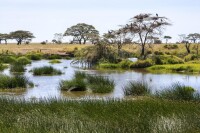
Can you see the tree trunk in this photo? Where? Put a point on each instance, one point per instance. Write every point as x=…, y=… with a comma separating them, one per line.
x=5, y=41
x=80, y=42
x=84, y=41
x=143, y=50
x=19, y=42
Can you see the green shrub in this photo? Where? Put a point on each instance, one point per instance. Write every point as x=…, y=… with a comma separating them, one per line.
x=136, y=88
x=142, y=64
x=23, y=60
x=17, y=81
x=170, y=46
x=125, y=64
x=177, y=92
x=190, y=57
x=167, y=59
x=158, y=53
x=46, y=70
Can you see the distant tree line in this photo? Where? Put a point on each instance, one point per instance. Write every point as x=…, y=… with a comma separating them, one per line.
x=19, y=35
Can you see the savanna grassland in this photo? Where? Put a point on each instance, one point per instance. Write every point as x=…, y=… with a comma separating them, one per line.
x=113, y=116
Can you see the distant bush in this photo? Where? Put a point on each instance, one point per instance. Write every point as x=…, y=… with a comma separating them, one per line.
x=170, y=46
x=125, y=63
x=43, y=42
x=158, y=53
x=142, y=64
x=167, y=59
x=190, y=57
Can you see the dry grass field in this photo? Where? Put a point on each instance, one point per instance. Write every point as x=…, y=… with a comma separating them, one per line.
x=63, y=48
x=48, y=48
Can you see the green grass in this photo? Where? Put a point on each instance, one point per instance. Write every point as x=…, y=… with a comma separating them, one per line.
x=46, y=70
x=34, y=56
x=191, y=68
x=23, y=60
x=82, y=82
x=17, y=68
x=138, y=116
x=136, y=88
x=177, y=91
x=100, y=84
x=7, y=59
x=55, y=61
x=3, y=66
x=7, y=82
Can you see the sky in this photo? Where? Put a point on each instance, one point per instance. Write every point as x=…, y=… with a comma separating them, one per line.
x=44, y=18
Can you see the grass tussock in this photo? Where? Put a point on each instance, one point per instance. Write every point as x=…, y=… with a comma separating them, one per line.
x=46, y=70
x=177, y=91
x=100, y=84
x=23, y=60
x=17, y=68
x=137, y=88
x=7, y=82
x=83, y=82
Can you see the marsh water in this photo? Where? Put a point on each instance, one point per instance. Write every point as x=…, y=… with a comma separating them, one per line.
x=47, y=86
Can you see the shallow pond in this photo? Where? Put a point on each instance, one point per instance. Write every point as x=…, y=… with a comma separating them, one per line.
x=46, y=86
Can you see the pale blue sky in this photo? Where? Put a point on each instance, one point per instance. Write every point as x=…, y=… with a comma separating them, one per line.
x=46, y=17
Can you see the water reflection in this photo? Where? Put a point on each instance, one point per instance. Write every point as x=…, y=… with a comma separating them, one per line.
x=46, y=86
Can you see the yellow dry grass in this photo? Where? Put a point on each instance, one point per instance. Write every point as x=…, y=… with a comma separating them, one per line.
x=48, y=48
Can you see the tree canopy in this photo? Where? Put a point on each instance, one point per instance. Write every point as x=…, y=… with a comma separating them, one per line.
x=144, y=25
x=21, y=36
x=82, y=32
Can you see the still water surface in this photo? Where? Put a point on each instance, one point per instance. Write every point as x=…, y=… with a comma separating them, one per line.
x=46, y=86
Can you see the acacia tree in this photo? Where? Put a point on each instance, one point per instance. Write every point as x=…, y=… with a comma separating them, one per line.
x=184, y=39
x=167, y=38
x=81, y=32
x=194, y=37
x=4, y=37
x=144, y=25
x=21, y=36
x=58, y=37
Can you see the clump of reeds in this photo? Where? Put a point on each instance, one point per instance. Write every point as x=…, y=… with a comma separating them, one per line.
x=137, y=88
x=177, y=91
x=46, y=70
x=82, y=82
x=18, y=81
x=100, y=84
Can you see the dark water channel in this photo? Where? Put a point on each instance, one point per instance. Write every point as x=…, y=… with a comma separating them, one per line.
x=47, y=86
